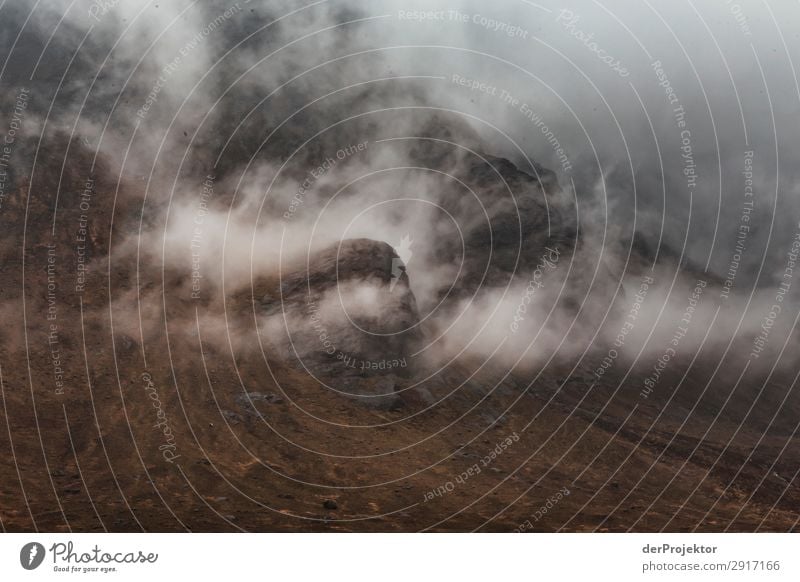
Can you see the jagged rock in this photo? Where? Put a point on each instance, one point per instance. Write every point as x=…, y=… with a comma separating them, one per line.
x=359, y=346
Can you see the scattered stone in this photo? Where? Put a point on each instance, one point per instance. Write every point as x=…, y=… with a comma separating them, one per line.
x=232, y=417
x=126, y=343
x=247, y=400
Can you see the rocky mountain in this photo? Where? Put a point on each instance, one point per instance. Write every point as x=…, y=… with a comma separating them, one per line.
x=334, y=395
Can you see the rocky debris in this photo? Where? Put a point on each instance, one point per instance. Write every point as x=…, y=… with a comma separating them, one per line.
x=248, y=402
x=232, y=417
x=247, y=399
x=125, y=343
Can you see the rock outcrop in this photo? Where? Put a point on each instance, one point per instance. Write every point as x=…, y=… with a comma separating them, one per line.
x=349, y=318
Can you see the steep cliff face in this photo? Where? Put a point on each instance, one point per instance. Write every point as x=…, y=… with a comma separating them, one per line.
x=348, y=318
x=505, y=216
